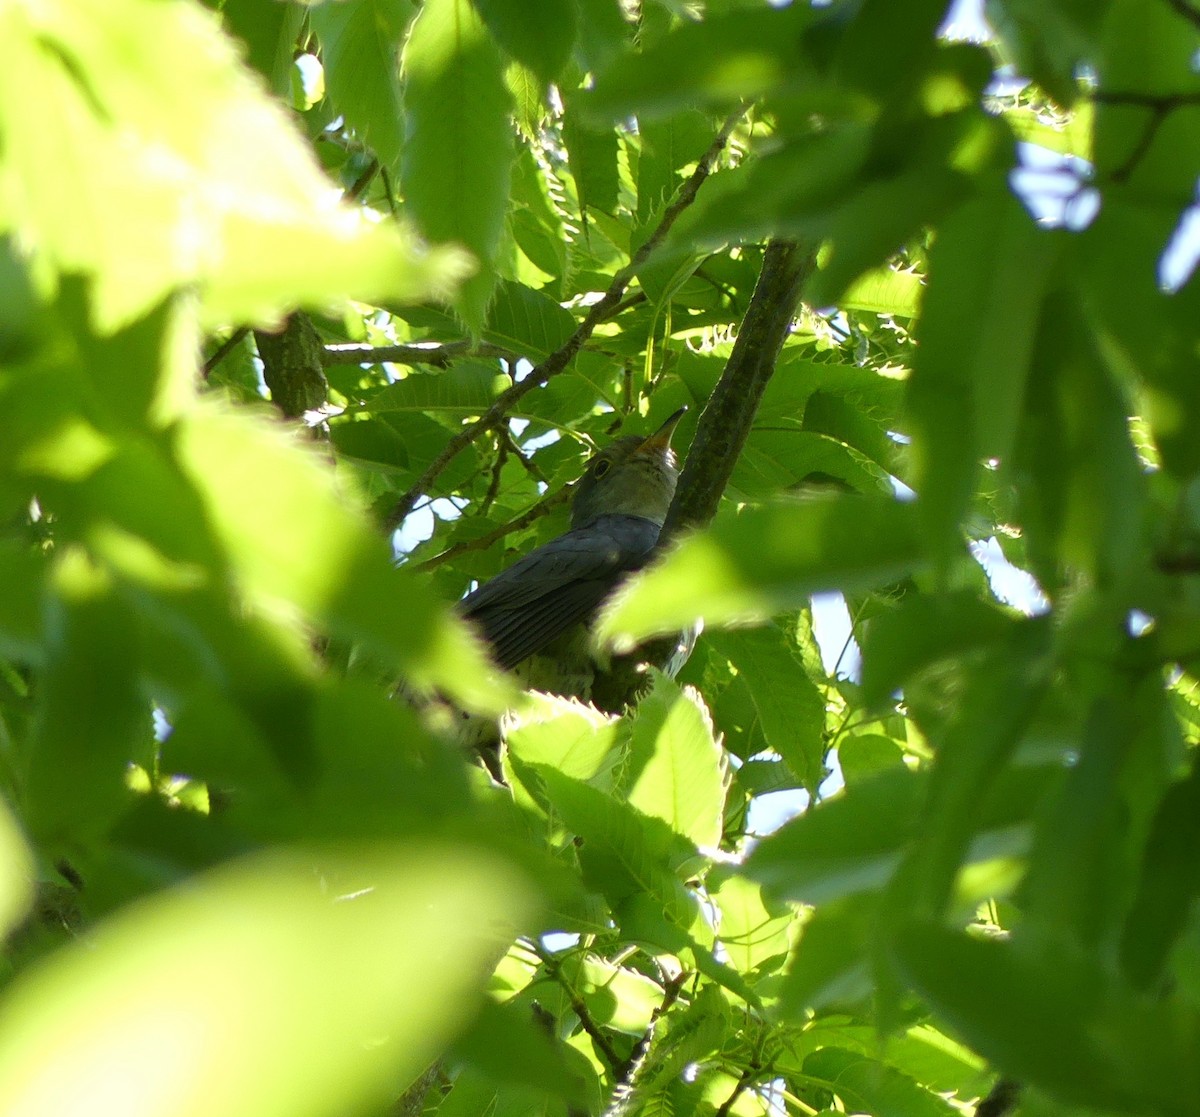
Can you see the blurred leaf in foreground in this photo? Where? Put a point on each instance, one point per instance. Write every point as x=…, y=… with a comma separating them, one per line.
x=289, y=985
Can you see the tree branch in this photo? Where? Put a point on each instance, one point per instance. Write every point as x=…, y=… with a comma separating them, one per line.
x=729, y=413
x=437, y=355
x=483, y=542
x=561, y=357
x=554, y=970
x=292, y=366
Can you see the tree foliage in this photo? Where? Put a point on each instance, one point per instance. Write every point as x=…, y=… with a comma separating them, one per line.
x=278, y=279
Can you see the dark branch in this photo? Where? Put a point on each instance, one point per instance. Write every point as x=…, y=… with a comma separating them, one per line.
x=1185, y=9
x=1001, y=1099
x=729, y=414
x=224, y=349
x=602, y=1042
x=1159, y=105
x=560, y=358
x=292, y=366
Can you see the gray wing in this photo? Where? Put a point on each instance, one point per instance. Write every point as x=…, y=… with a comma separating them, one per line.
x=556, y=586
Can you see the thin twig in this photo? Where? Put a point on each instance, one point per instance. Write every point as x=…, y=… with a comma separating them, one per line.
x=363, y=181
x=531, y=466
x=627, y=1081
x=1159, y=105
x=485, y=541
x=224, y=349
x=554, y=969
x=561, y=357
x=493, y=489
x=437, y=355
x=744, y=1079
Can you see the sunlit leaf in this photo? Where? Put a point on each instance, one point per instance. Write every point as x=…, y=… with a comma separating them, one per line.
x=458, y=144
x=178, y=194
x=763, y=560
x=299, y=982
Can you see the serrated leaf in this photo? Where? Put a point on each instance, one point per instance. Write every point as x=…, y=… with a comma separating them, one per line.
x=752, y=929
x=458, y=141
x=468, y=387
x=360, y=51
x=675, y=763
x=537, y=33
x=527, y=321
x=592, y=154
x=562, y=733
x=176, y=196
x=791, y=710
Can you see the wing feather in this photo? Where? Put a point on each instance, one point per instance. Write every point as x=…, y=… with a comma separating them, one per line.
x=557, y=585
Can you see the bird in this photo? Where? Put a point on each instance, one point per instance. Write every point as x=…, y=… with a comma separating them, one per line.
x=534, y=615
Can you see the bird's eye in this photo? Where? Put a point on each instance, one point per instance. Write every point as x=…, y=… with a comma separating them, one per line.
x=602, y=467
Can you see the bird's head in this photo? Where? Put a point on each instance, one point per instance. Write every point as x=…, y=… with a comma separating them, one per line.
x=633, y=476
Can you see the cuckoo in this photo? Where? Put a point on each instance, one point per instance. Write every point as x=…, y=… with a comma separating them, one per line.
x=535, y=614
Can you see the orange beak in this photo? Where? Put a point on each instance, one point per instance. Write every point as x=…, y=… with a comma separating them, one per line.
x=661, y=438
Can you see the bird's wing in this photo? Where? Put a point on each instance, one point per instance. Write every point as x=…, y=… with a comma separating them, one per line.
x=557, y=585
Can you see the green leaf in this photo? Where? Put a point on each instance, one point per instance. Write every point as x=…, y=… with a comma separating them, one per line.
x=1168, y=884
x=292, y=540
x=923, y=630
x=269, y=32
x=360, y=51
x=17, y=871
x=624, y=853
x=716, y=61
x=23, y=576
x=528, y=321
x=830, y=965
x=592, y=154
x=845, y=845
x=764, y=560
x=507, y=1042
x=674, y=770
x=164, y=143
x=866, y=1085
x=458, y=143
x=974, y=747
x=987, y=276
x=1055, y=1020
x=1078, y=873
x=537, y=33
x=791, y=710
x=753, y=930
x=561, y=733
x=467, y=387
x=308, y=982
x=93, y=720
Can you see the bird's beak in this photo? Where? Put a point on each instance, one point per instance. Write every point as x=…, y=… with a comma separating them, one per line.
x=661, y=438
